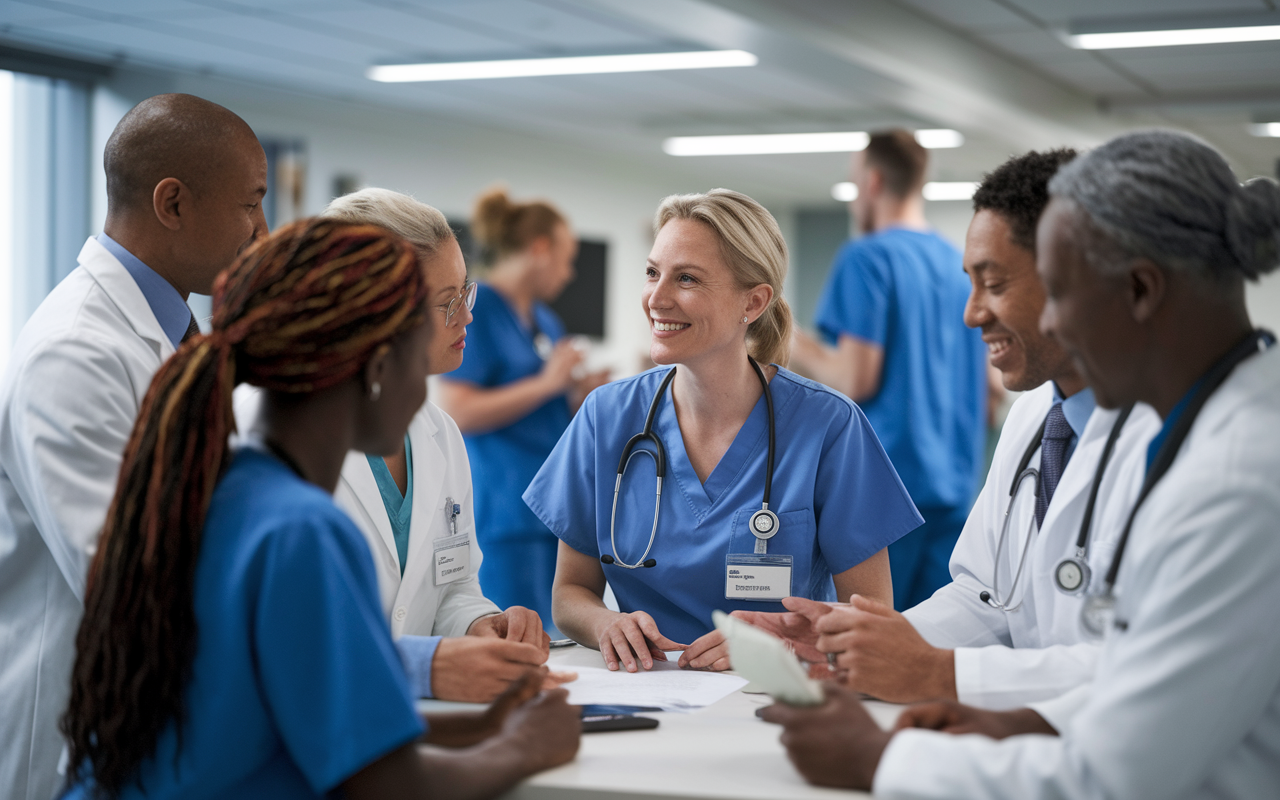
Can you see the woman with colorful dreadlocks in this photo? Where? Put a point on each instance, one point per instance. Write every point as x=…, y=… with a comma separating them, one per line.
x=230, y=605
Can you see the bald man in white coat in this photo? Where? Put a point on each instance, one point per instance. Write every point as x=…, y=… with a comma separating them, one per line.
x=76, y=379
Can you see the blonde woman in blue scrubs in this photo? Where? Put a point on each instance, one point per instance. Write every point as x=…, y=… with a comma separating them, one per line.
x=713, y=298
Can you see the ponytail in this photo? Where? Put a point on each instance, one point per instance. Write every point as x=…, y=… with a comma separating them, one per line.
x=300, y=311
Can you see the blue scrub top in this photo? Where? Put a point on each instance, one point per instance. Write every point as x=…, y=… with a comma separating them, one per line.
x=296, y=685
x=500, y=350
x=836, y=495
x=905, y=291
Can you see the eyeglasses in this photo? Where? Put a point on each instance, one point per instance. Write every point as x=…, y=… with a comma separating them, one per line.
x=465, y=297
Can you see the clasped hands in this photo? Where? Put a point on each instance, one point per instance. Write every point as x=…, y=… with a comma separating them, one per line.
x=497, y=650
x=876, y=651
x=632, y=641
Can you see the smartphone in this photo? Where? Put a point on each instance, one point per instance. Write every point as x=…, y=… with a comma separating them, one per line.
x=617, y=722
x=562, y=643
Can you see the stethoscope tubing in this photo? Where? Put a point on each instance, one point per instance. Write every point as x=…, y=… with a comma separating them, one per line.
x=659, y=456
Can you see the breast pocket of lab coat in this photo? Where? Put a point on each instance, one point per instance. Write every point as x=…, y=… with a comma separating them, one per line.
x=797, y=537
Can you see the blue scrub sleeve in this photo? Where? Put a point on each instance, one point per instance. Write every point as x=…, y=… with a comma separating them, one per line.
x=417, y=654
x=563, y=493
x=856, y=298
x=862, y=505
x=330, y=675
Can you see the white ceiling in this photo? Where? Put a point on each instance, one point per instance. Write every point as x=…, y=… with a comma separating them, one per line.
x=995, y=69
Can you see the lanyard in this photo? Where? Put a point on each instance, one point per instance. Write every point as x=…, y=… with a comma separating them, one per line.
x=1099, y=609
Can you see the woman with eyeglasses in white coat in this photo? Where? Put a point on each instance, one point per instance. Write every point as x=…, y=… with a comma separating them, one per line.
x=415, y=508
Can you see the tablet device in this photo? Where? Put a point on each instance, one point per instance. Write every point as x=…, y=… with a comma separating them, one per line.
x=766, y=661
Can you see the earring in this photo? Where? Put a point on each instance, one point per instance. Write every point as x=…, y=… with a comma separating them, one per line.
x=744, y=319
x=375, y=391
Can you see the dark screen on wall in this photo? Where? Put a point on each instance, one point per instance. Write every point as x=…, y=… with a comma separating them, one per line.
x=581, y=305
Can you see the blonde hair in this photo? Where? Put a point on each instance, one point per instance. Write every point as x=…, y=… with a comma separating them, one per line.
x=418, y=223
x=504, y=227
x=753, y=247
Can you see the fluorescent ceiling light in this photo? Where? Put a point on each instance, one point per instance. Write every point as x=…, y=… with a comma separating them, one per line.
x=845, y=192
x=950, y=190
x=1265, y=129
x=846, y=142
x=1171, y=38
x=939, y=138
x=576, y=65
x=775, y=143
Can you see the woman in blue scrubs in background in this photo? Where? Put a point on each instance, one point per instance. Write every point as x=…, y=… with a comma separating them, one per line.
x=516, y=390
x=233, y=642
x=713, y=297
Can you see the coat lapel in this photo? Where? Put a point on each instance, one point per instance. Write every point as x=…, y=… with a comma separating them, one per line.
x=429, y=466
x=120, y=286
x=358, y=476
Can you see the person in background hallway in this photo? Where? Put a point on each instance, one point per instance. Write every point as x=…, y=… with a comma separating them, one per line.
x=895, y=342
x=233, y=644
x=1023, y=643
x=1144, y=251
x=516, y=390
x=185, y=180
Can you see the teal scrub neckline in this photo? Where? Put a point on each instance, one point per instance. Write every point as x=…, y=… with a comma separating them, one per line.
x=399, y=508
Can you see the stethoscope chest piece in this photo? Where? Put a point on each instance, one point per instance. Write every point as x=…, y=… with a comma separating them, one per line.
x=764, y=524
x=1072, y=575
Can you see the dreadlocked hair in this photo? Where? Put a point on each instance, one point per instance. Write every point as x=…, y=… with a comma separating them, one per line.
x=300, y=311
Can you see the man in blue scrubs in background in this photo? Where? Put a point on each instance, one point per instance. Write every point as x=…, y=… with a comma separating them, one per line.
x=896, y=343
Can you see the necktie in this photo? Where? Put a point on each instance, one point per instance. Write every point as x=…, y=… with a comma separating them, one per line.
x=1053, y=457
x=192, y=329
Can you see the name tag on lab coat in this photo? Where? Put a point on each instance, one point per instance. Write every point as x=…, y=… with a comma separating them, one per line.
x=452, y=558
x=753, y=577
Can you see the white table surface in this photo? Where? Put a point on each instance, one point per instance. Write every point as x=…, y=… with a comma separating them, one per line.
x=721, y=751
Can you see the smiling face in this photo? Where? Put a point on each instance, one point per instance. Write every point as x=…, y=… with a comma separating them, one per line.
x=446, y=275
x=1088, y=313
x=694, y=305
x=1005, y=303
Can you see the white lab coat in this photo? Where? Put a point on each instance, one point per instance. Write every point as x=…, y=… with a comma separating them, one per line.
x=68, y=402
x=1037, y=651
x=1185, y=702
x=413, y=604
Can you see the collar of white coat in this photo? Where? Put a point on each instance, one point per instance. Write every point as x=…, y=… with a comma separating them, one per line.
x=429, y=468
x=123, y=291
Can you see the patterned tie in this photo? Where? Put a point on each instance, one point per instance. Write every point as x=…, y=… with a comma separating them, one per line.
x=1053, y=458
x=192, y=329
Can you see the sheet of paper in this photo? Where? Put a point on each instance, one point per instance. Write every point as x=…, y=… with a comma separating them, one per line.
x=666, y=686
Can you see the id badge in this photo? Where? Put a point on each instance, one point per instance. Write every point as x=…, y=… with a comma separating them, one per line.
x=452, y=558
x=755, y=577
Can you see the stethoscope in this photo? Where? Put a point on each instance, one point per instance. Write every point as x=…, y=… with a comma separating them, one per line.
x=1072, y=573
x=1099, y=611
x=763, y=523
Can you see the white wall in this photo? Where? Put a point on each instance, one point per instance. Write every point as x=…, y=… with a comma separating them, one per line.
x=447, y=164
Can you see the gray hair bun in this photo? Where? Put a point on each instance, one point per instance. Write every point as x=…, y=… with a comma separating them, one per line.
x=1253, y=227
x=1170, y=197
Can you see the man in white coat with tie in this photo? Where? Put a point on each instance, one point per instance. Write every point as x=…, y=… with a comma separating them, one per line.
x=1003, y=633
x=185, y=181
x=1144, y=251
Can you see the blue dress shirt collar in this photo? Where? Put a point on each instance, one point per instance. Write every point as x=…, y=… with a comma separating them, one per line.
x=166, y=303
